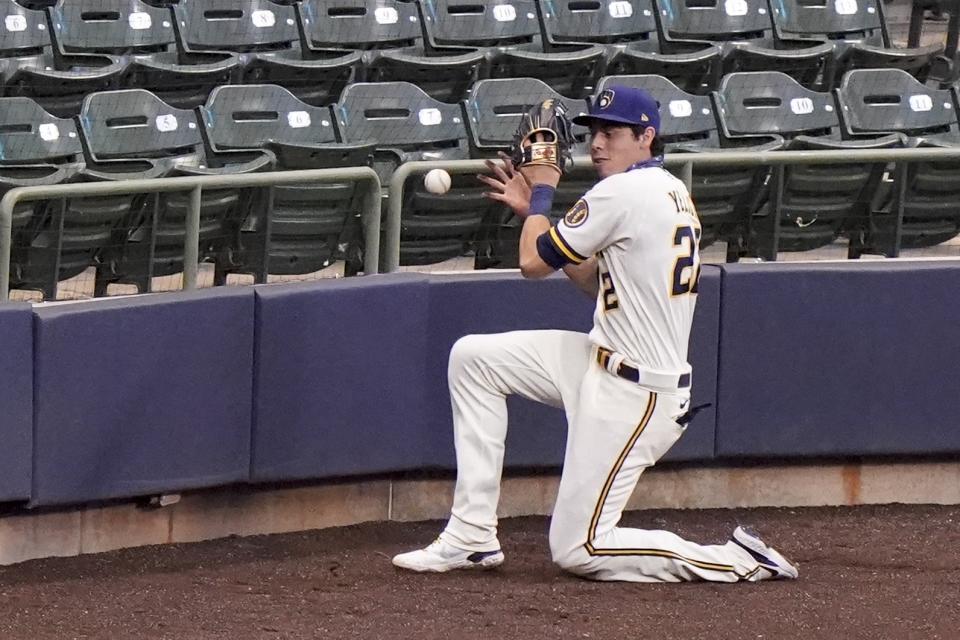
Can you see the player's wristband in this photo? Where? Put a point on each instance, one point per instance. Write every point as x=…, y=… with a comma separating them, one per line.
x=541, y=200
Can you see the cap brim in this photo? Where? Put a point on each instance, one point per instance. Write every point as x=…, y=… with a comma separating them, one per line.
x=584, y=119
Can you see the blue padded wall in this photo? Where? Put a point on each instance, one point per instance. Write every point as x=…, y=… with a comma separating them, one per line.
x=698, y=441
x=16, y=400
x=852, y=358
x=339, y=387
x=142, y=394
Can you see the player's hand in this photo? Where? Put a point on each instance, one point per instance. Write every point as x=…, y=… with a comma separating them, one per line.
x=507, y=185
x=540, y=173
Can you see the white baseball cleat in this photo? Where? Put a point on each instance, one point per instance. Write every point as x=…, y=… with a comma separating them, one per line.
x=440, y=557
x=767, y=557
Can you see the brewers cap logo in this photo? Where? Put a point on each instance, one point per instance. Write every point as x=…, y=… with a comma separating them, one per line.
x=577, y=214
x=605, y=99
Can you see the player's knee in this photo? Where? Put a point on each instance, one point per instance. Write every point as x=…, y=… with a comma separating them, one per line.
x=466, y=351
x=573, y=559
x=576, y=561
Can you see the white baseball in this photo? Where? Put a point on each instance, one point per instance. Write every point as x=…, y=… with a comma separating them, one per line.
x=437, y=181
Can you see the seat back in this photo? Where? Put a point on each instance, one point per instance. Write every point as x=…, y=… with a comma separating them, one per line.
x=718, y=20
x=877, y=101
x=492, y=113
x=25, y=32
x=307, y=222
x=134, y=124
x=494, y=108
x=685, y=118
x=407, y=124
x=360, y=24
x=236, y=25
x=398, y=115
x=35, y=148
x=771, y=102
x=816, y=202
x=617, y=21
x=112, y=26
x=855, y=20
x=28, y=135
x=472, y=23
x=249, y=116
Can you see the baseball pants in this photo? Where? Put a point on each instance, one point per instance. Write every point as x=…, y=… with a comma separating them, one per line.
x=616, y=429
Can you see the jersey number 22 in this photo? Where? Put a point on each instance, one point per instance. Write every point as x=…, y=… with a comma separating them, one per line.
x=689, y=236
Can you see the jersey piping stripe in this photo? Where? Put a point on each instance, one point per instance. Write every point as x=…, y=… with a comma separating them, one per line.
x=564, y=248
x=595, y=520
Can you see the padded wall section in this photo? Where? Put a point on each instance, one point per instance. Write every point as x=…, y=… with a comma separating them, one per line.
x=852, y=358
x=340, y=378
x=142, y=395
x=16, y=400
x=698, y=441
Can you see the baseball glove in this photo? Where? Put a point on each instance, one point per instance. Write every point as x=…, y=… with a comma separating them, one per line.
x=543, y=137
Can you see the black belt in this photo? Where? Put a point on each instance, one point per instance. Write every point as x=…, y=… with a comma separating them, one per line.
x=632, y=374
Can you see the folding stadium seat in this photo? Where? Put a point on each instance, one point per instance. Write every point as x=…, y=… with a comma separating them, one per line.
x=366, y=25
x=407, y=124
x=302, y=226
x=491, y=114
x=628, y=30
x=921, y=204
x=145, y=38
x=267, y=37
x=41, y=149
x=744, y=29
x=31, y=67
x=858, y=31
x=465, y=40
x=133, y=134
x=725, y=196
x=804, y=206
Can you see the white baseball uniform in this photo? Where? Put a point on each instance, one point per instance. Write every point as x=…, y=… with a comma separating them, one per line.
x=622, y=387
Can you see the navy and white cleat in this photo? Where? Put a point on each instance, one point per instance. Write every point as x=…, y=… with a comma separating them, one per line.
x=767, y=557
x=440, y=557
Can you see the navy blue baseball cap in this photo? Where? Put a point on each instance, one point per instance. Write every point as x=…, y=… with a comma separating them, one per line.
x=624, y=105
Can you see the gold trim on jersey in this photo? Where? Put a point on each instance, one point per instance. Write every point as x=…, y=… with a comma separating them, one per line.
x=663, y=553
x=564, y=248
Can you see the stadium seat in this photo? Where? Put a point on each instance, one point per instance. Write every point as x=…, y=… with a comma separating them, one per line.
x=366, y=25
x=628, y=31
x=724, y=196
x=804, y=207
x=744, y=30
x=858, y=32
x=30, y=66
x=143, y=36
x=407, y=124
x=41, y=149
x=302, y=227
x=267, y=37
x=920, y=206
x=133, y=134
x=491, y=114
x=498, y=39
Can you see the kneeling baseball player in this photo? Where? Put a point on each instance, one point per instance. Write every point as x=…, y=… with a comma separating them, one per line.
x=632, y=242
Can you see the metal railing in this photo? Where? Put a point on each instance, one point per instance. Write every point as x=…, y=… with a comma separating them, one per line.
x=682, y=163
x=370, y=215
